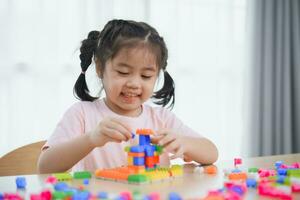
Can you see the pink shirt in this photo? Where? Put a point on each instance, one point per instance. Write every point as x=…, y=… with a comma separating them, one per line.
x=83, y=117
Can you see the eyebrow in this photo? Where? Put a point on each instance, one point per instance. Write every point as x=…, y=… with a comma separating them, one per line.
x=150, y=68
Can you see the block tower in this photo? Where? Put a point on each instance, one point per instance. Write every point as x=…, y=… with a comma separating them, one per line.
x=144, y=155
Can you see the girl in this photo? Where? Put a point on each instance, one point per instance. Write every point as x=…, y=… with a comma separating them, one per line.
x=129, y=56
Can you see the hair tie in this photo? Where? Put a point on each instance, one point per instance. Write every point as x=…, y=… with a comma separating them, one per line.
x=83, y=72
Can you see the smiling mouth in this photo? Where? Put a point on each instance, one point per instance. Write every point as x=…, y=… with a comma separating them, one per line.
x=129, y=97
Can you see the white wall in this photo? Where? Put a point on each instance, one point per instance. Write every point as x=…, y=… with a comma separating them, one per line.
x=39, y=62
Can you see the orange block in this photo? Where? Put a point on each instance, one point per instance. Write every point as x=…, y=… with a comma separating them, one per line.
x=144, y=131
x=133, y=154
x=150, y=161
x=137, y=169
x=211, y=169
x=237, y=176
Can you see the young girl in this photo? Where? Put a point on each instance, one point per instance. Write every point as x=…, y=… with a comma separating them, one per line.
x=129, y=56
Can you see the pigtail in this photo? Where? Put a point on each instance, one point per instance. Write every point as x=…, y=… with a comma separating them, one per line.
x=166, y=93
x=87, y=51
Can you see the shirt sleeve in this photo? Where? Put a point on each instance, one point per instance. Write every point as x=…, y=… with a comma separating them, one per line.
x=71, y=125
x=173, y=122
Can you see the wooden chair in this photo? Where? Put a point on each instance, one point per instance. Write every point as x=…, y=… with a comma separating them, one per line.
x=22, y=160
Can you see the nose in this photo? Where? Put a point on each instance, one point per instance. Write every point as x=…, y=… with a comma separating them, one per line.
x=133, y=82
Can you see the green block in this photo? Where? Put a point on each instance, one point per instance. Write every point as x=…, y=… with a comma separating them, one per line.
x=63, y=176
x=252, y=170
x=137, y=195
x=293, y=172
x=127, y=149
x=159, y=149
x=137, y=178
x=82, y=175
x=57, y=195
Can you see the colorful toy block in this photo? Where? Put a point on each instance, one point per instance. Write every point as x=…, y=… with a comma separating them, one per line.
x=211, y=169
x=82, y=175
x=63, y=176
x=21, y=182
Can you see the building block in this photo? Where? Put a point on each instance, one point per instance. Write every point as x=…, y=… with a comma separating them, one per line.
x=237, y=176
x=211, y=169
x=174, y=196
x=63, y=176
x=138, y=178
x=144, y=132
x=150, y=161
x=138, y=161
x=144, y=140
x=86, y=181
x=61, y=186
x=102, y=195
x=149, y=150
x=82, y=175
x=137, y=149
x=21, y=182
x=251, y=183
x=51, y=180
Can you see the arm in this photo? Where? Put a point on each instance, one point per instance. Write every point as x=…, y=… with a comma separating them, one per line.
x=63, y=156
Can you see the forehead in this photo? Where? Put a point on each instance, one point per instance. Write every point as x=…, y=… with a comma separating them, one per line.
x=140, y=56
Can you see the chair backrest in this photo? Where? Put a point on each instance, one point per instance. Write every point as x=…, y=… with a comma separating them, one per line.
x=22, y=160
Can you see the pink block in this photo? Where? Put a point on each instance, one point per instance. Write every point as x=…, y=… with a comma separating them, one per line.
x=296, y=187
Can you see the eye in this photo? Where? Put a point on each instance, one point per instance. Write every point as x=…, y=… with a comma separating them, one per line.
x=122, y=73
x=146, y=77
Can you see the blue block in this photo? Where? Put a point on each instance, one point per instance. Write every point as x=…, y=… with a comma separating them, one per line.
x=86, y=181
x=61, y=186
x=282, y=171
x=85, y=195
x=278, y=164
x=132, y=135
x=102, y=195
x=1, y=196
x=21, y=182
x=149, y=150
x=236, y=171
x=138, y=161
x=250, y=182
x=137, y=149
x=174, y=196
x=280, y=179
x=237, y=189
x=144, y=139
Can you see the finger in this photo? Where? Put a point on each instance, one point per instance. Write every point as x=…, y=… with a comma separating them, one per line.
x=155, y=139
x=166, y=140
x=179, y=154
x=114, y=134
x=172, y=147
x=123, y=124
x=121, y=128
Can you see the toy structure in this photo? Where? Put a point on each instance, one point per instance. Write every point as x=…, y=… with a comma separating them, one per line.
x=143, y=163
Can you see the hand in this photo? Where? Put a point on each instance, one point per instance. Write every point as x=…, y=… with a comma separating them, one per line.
x=171, y=141
x=110, y=130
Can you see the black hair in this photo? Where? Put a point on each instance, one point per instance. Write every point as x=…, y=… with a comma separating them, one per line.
x=115, y=35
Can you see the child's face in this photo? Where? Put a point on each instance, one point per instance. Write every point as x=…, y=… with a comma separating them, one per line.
x=129, y=79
